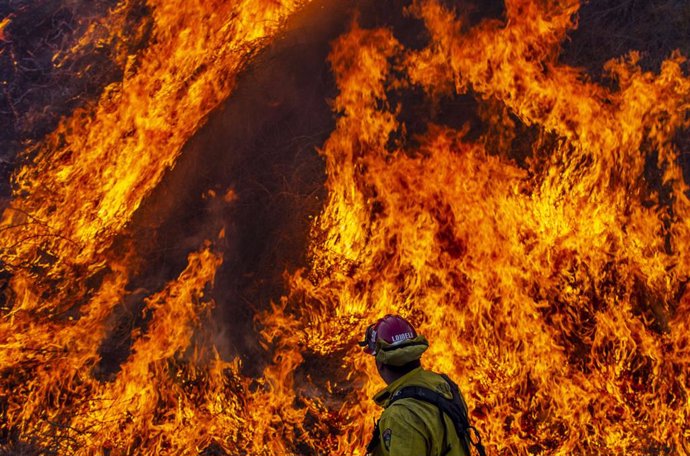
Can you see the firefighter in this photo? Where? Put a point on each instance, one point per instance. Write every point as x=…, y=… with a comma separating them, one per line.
x=424, y=412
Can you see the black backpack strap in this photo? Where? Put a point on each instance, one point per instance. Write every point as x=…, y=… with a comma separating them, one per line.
x=477, y=441
x=453, y=408
x=375, y=439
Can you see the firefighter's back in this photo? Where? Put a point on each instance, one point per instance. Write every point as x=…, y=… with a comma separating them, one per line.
x=414, y=427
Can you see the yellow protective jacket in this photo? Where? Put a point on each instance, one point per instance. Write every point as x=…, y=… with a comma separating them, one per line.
x=411, y=427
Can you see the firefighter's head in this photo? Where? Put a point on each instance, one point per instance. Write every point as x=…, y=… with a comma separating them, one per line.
x=394, y=343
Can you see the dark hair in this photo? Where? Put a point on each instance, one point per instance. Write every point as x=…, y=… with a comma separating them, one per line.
x=404, y=369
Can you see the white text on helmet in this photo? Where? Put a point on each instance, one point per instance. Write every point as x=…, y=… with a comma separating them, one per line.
x=401, y=337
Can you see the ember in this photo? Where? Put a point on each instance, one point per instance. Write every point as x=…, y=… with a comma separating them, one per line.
x=532, y=220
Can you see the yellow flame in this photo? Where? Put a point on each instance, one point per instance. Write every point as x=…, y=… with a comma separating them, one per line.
x=552, y=290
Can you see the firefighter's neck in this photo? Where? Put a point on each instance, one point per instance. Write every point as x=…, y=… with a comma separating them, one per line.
x=390, y=374
x=386, y=374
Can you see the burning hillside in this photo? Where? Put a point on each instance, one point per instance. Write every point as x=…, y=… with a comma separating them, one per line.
x=235, y=190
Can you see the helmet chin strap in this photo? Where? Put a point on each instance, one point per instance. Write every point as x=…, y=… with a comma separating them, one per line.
x=369, y=342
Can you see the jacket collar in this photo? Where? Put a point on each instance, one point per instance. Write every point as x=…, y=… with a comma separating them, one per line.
x=382, y=398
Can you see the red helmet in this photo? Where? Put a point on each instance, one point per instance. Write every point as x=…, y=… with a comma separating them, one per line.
x=391, y=329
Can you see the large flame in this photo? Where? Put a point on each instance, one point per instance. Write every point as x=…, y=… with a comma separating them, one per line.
x=85, y=182
x=554, y=291
x=550, y=281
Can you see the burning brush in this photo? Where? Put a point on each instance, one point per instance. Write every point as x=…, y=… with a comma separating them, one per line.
x=531, y=218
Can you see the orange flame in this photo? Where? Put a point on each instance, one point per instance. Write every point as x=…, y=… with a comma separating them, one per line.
x=552, y=288
x=74, y=200
x=3, y=25
x=554, y=292
x=92, y=173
